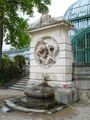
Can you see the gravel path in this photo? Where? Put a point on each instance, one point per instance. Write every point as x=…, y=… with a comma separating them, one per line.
x=77, y=111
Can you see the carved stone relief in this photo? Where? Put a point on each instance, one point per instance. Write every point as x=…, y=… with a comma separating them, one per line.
x=46, y=51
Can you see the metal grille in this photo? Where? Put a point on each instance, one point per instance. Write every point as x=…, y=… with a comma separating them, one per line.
x=81, y=46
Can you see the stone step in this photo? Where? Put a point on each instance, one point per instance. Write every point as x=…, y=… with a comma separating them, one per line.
x=22, y=82
x=15, y=88
x=19, y=85
x=25, y=79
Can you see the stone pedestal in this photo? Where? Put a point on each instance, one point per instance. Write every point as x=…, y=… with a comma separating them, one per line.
x=51, y=54
x=67, y=96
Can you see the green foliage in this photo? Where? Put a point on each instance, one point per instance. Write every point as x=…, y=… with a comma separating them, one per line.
x=10, y=69
x=16, y=28
x=19, y=60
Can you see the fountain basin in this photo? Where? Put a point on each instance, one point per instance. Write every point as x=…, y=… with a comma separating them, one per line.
x=40, y=97
x=12, y=104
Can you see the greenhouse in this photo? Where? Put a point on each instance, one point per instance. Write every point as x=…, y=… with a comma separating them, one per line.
x=79, y=14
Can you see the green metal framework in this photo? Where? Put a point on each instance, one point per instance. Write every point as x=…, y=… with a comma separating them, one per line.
x=79, y=14
x=81, y=46
x=77, y=10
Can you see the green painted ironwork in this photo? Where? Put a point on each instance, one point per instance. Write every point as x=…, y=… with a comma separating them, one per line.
x=79, y=14
x=81, y=46
x=78, y=10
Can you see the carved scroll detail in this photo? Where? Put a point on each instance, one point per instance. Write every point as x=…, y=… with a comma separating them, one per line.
x=46, y=51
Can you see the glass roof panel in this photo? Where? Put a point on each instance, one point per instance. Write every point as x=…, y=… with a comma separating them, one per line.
x=78, y=9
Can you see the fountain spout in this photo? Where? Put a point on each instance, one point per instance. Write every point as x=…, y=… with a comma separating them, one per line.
x=45, y=79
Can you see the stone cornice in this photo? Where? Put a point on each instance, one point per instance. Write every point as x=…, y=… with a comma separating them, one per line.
x=55, y=24
x=46, y=21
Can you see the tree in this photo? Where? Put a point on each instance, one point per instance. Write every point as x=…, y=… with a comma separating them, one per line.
x=13, y=28
x=19, y=60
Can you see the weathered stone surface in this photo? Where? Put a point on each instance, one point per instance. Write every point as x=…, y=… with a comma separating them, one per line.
x=81, y=74
x=67, y=96
x=61, y=70
x=78, y=111
x=52, y=34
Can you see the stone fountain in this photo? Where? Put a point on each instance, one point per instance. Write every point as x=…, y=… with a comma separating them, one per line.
x=50, y=57
x=40, y=96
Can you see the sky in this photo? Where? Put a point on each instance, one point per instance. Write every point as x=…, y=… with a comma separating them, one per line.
x=56, y=9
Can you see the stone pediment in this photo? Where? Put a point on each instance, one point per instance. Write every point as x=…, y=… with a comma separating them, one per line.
x=46, y=20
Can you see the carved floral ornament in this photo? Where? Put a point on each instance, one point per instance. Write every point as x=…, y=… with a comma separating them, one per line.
x=46, y=51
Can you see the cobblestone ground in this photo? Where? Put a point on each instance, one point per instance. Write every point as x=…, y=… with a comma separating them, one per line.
x=78, y=111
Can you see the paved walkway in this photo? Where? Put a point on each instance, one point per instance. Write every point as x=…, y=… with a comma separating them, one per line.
x=78, y=111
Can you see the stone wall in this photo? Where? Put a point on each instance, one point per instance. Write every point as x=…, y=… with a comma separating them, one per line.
x=81, y=76
x=59, y=72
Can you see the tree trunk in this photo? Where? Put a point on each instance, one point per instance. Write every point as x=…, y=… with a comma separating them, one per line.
x=1, y=33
